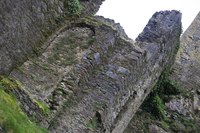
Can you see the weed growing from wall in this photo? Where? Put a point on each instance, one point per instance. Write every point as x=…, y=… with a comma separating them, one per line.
x=73, y=7
x=161, y=94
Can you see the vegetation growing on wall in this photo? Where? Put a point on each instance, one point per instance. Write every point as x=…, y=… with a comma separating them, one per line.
x=12, y=119
x=8, y=83
x=154, y=106
x=160, y=94
x=73, y=7
x=95, y=122
x=41, y=105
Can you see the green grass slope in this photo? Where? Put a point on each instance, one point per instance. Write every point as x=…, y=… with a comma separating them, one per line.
x=12, y=118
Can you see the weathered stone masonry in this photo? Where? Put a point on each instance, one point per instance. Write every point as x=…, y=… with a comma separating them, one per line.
x=91, y=71
x=26, y=24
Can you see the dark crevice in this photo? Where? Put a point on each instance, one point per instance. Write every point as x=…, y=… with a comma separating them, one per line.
x=83, y=25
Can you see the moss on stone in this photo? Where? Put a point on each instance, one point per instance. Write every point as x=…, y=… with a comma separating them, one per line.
x=160, y=94
x=94, y=122
x=183, y=124
x=41, y=105
x=9, y=83
x=12, y=118
x=154, y=104
x=92, y=21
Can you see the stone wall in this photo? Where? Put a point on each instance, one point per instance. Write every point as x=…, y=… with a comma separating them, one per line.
x=186, y=71
x=90, y=75
x=186, y=68
x=26, y=24
x=93, y=73
x=179, y=92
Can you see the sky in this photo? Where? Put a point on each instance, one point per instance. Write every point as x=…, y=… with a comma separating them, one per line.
x=133, y=15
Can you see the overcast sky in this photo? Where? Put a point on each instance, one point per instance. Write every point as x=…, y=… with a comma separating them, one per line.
x=133, y=15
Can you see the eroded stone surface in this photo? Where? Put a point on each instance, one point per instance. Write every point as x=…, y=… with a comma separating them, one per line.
x=90, y=75
x=93, y=72
x=107, y=86
x=186, y=68
x=26, y=24
x=156, y=129
x=182, y=106
x=182, y=110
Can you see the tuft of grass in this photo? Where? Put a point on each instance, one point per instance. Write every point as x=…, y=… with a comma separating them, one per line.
x=42, y=106
x=164, y=125
x=13, y=119
x=155, y=106
x=94, y=122
x=159, y=107
x=9, y=83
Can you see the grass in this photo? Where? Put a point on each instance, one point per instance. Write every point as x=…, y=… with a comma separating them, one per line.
x=160, y=94
x=8, y=83
x=154, y=105
x=12, y=118
x=164, y=125
x=94, y=122
x=41, y=105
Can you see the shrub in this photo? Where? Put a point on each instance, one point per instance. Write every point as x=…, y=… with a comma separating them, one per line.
x=161, y=93
x=72, y=7
x=154, y=104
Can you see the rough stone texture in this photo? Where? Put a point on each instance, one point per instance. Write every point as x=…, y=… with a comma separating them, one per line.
x=111, y=23
x=92, y=73
x=186, y=68
x=183, y=109
x=180, y=117
x=181, y=105
x=27, y=103
x=25, y=25
x=156, y=129
x=196, y=102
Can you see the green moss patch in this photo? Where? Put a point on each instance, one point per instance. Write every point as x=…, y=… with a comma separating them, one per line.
x=95, y=122
x=8, y=83
x=12, y=119
x=41, y=105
